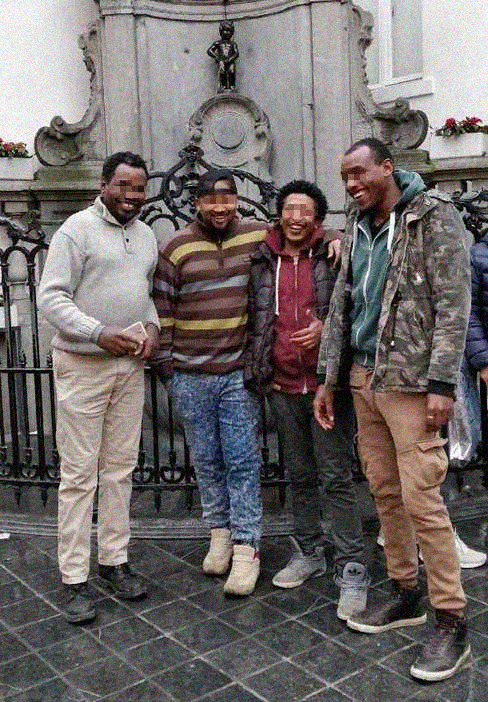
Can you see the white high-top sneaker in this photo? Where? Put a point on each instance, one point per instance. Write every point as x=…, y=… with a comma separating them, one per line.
x=217, y=560
x=244, y=572
x=468, y=557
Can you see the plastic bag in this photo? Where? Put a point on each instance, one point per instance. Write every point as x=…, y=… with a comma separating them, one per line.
x=464, y=429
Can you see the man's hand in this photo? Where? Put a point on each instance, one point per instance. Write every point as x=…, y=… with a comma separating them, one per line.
x=323, y=407
x=484, y=374
x=308, y=337
x=118, y=342
x=150, y=344
x=439, y=410
x=334, y=252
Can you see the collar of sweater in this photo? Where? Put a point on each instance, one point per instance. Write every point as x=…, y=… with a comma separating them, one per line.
x=102, y=211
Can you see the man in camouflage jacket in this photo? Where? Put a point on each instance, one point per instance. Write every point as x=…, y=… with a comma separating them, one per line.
x=400, y=308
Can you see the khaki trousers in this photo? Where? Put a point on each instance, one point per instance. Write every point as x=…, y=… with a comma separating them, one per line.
x=405, y=464
x=99, y=405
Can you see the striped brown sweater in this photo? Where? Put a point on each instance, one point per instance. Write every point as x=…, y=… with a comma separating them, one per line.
x=200, y=293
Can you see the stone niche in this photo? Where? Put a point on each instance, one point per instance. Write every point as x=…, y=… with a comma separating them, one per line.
x=300, y=97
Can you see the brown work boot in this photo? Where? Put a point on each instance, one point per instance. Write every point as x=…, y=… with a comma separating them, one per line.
x=447, y=650
x=404, y=608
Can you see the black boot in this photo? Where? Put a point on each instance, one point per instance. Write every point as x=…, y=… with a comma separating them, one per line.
x=446, y=651
x=404, y=608
x=78, y=607
x=124, y=583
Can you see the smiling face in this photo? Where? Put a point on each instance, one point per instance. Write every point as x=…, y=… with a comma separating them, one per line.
x=369, y=183
x=297, y=221
x=218, y=209
x=125, y=192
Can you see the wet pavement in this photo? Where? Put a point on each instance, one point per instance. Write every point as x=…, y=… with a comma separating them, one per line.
x=186, y=642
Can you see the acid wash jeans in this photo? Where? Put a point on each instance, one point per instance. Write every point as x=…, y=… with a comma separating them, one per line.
x=220, y=419
x=319, y=465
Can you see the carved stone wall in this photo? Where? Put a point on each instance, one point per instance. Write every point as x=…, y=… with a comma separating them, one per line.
x=300, y=74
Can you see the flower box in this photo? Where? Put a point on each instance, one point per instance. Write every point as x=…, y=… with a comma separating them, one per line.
x=459, y=145
x=16, y=168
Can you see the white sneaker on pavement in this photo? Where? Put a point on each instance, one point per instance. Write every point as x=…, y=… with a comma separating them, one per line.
x=300, y=567
x=468, y=557
x=353, y=583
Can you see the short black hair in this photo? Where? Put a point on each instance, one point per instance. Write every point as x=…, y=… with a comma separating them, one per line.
x=126, y=157
x=303, y=187
x=379, y=150
x=206, y=182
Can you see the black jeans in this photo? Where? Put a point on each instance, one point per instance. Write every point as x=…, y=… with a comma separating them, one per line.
x=319, y=463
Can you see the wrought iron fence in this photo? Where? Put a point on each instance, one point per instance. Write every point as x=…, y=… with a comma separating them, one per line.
x=28, y=454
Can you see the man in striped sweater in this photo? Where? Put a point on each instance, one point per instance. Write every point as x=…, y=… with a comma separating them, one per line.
x=200, y=292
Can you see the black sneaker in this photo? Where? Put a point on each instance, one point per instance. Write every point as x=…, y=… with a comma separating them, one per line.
x=78, y=607
x=124, y=583
x=446, y=651
x=404, y=608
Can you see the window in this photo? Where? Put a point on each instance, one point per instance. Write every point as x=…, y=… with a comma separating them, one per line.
x=394, y=58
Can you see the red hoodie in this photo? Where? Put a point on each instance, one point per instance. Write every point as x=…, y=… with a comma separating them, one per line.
x=295, y=304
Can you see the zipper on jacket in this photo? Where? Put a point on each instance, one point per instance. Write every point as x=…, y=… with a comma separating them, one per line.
x=296, y=261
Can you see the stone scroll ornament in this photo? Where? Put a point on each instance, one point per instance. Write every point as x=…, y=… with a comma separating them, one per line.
x=61, y=142
x=398, y=126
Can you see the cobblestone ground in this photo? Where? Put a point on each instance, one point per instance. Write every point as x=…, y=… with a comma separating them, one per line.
x=186, y=642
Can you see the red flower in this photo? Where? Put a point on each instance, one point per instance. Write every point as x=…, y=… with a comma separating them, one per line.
x=450, y=122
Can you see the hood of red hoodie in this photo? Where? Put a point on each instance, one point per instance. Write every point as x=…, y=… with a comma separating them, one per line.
x=274, y=239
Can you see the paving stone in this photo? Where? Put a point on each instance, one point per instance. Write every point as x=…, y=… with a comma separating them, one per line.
x=242, y=658
x=11, y=647
x=142, y=692
x=234, y=693
x=207, y=635
x=330, y=661
x=252, y=616
x=21, y=673
x=375, y=683
x=192, y=679
x=52, y=691
x=156, y=655
x=126, y=633
x=289, y=638
x=75, y=652
x=104, y=677
x=31, y=610
x=284, y=681
x=173, y=616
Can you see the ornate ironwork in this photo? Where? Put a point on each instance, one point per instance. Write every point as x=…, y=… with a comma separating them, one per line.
x=473, y=206
x=175, y=198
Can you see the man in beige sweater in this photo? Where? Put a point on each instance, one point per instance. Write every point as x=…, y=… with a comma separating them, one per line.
x=96, y=291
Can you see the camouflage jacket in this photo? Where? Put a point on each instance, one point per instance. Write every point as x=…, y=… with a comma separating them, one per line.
x=425, y=305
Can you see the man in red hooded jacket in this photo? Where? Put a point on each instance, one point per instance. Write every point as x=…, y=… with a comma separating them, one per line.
x=290, y=287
